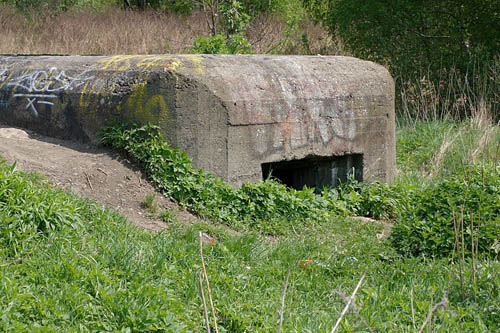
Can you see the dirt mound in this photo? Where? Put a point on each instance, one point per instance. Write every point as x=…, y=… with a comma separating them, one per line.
x=88, y=171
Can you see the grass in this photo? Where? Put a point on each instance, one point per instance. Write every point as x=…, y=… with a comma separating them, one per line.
x=112, y=31
x=167, y=216
x=92, y=271
x=445, y=161
x=433, y=149
x=164, y=214
x=150, y=203
x=425, y=213
x=116, y=31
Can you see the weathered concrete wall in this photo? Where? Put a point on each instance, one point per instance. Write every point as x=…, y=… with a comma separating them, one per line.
x=230, y=113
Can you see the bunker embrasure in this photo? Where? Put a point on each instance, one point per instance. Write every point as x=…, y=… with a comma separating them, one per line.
x=316, y=171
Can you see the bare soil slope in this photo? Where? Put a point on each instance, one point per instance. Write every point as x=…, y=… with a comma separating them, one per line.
x=87, y=171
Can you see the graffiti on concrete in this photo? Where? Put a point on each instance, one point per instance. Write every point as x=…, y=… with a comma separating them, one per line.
x=41, y=87
x=3, y=74
x=232, y=114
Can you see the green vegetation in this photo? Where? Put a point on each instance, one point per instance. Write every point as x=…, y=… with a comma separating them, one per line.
x=47, y=211
x=426, y=215
x=266, y=206
x=150, y=203
x=452, y=172
x=91, y=270
x=70, y=264
x=412, y=35
x=218, y=44
x=233, y=19
x=447, y=45
x=435, y=215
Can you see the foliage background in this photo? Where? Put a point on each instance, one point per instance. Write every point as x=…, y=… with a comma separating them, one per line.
x=422, y=40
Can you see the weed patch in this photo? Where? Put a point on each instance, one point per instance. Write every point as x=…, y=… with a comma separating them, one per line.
x=449, y=175
x=29, y=210
x=267, y=206
x=467, y=208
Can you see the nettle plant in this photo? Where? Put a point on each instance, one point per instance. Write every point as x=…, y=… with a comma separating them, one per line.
x=266, y=206
x=460, y=213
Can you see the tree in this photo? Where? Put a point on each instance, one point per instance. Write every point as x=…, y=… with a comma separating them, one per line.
x=448, y=45
x=413, y=34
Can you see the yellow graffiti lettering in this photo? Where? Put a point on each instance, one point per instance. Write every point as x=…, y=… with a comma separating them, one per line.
x=7, y=79
x=118, y=63
x=155, y=109
x=140, y=107
x=170, y=63
x=122, y=63
x=197, y=62
x=84, y=101
x=135, y=101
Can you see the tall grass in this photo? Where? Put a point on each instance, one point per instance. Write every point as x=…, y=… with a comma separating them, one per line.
x=430, y=150
x=113, y=31
x=451, y=94
x=117, y=31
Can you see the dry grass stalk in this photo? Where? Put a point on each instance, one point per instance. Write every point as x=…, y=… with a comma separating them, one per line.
x=208, y=284
x=113, y=31
x=453, y=94
x=88, y=181
x=455, y=246
x=283, y=295
x=355, y=309
x=412, y=310
x=266, y=33
x=489, y=130
x=270, y=34
x=437, y=160
x=478, y=224
x=459, y=247
x=472, y=251
x=444, y=303
x=349, y=301
x=205, y=311
x=463, y=252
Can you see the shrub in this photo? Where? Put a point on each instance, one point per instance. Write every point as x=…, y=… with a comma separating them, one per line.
x=234, y=44
x=431, y=41
x=411, y=35
x=376, y=200
x=428, y=227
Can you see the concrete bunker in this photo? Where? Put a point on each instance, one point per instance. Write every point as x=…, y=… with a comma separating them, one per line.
x=306, y=119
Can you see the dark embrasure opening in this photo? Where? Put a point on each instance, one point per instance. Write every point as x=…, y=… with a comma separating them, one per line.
x=315, y=171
